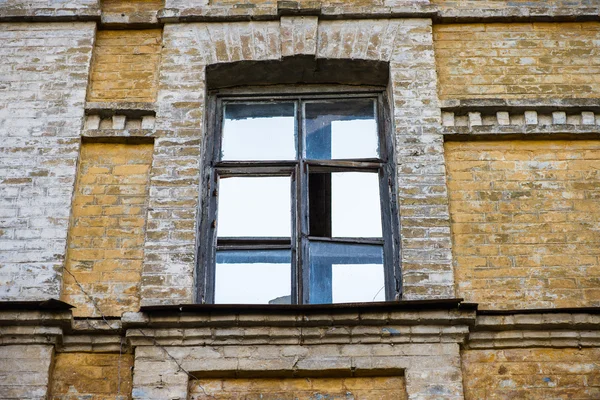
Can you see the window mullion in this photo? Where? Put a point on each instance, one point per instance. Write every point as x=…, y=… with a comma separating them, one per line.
x=302, y=212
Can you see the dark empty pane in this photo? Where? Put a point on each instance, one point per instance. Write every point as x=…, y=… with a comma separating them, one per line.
x=254, y=206
x=253, y=277
x=345, y=273
x=344, y=204
x=341, y=129
x=259, y=131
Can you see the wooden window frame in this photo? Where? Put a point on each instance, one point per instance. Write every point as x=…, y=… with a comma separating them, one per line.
x=298, y=170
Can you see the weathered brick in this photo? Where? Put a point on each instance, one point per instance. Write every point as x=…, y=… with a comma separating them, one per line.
x=528, y=60
x=125, y=66
x=43, y=81
x=107, y=236
x=25, y=371
x=92, y=375
x=524, y=216
x=531, y=373
x=363, y=388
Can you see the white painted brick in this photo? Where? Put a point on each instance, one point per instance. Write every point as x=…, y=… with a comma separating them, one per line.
x=46, y=113
x=118, y=122
x=148, y=122
x=503, y=117
x=475, y=119
x=588, y=118
x=559, y=117
x=92, y=122
x=448, y=119
x=531, y=118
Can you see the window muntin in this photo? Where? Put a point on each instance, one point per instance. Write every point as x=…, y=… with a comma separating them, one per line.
x=341, y=242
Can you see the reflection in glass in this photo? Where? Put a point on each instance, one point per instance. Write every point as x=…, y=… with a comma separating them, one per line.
x=254, y=206
x=259, y=132
x=341, y=129
x=344, y=204
x=253, y=277
x=345, y=273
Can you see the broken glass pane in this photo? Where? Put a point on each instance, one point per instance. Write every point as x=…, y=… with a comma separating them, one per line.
x=344, y=204
x=257, y=206
x=253, y=277
x=345, y=273
x=341, y=129
x=259, y=131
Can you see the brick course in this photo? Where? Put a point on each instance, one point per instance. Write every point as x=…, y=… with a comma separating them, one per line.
x=525, y=221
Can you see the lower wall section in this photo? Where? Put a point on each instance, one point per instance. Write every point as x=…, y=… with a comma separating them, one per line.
x=92, y=376
x=24, y=371
x=372, y=388
x=532, y=374
x=432, y=370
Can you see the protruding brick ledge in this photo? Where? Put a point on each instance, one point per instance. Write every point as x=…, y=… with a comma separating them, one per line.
x=567, y=117
x=445, y=321
x=227, y=13
x=21, y=14
x=517, y=14
x=545, y=328
x=119, y=120
x=137, y=20
x=248, y=12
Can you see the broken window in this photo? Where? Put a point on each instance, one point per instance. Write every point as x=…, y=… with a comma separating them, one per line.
x=299, y=202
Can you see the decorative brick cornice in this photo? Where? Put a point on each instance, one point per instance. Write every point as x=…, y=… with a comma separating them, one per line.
x=568, y=118
x=520, y=330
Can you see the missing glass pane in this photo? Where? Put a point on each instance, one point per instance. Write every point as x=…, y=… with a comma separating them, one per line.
x=345, y=273
x=344, y=204
x=254, y=206
x=342, y=129
x=253, y=277
x=259, y=132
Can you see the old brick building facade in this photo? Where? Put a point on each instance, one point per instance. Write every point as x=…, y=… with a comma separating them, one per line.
x=491, y=110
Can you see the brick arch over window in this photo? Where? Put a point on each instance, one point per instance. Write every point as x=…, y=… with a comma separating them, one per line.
x=191, y=52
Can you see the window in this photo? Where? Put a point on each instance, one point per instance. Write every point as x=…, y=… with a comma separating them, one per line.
x=299, y=202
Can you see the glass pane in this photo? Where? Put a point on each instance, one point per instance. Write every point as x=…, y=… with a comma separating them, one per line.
x=253, y=277
x=341, y=129
x=259, y=132
x=255, y=206
x=344, y=204
x=345, y=273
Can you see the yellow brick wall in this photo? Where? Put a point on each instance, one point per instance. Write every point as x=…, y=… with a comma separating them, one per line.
x=524, y=60
x=324, y=2
x=372, y=388
x=531, y=374
x=125, y=65
x=106, y=238
x=129, y=6
x=91, y=376
x=526, y=222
